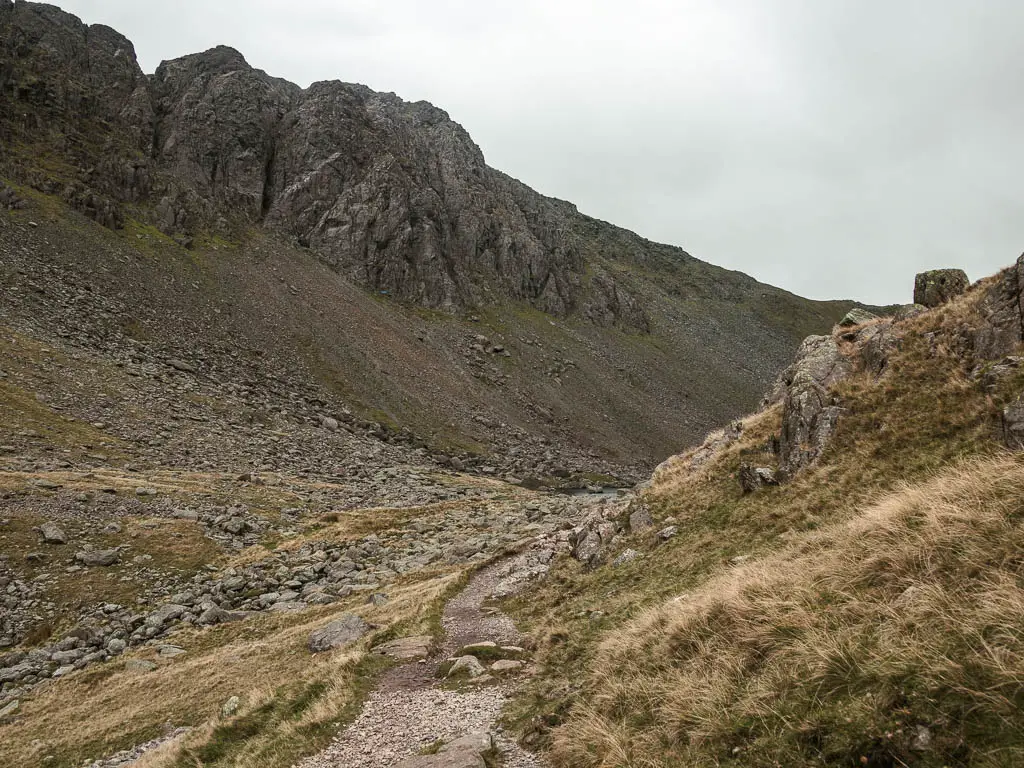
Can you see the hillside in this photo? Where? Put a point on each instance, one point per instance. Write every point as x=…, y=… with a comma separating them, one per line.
x=363, y=241
x=292, y=390
x=860, y=609
x=832, y=580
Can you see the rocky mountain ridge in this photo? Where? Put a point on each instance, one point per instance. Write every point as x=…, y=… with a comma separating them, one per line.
x=442, y=274
x=395, y=195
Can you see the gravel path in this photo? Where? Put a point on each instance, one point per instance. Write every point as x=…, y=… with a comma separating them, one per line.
x=408, y=711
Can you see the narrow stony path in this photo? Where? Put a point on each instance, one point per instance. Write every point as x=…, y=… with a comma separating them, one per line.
x=409, y=710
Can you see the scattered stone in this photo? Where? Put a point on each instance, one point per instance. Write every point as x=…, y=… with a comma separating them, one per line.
x=230, y=707
x=506, y=665
x=640, y=519
x=53, y=534
x=181, y=365
x=217, y=615
x=98, y=557
x=856, y=316
x=347, y=629
x=10, y=709
x=668, y=532
x=1013, y=425
x=466, y=666
x=466, y=752
x=753, y=478
x=922, y=739
x=626, y=556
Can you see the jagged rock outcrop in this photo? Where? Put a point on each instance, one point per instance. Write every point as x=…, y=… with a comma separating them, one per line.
x=215, y=134
x=937, y=286
x=395, y=195
x=397, y=199
x=810, y=410
x=1002, y=315
x=1013, y=425
x=856, y=316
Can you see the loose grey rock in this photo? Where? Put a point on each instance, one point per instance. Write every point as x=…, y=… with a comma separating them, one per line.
x=347, y=629
x=98, y=557
x=164, y=614
x=753, y=478
x=640, y=519
x=468, y=666
x=466, y=752
x=230, y=707
x=217, y=615
x=626, y=556
x=1013, y=425
x=53, y=534
x=10, y=709
x=856, y=316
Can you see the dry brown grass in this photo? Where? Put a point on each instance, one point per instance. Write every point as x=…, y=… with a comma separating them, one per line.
x=287, y=693
x=835, y=649
x=922, y=417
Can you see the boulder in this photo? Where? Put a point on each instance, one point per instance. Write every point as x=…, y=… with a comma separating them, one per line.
x=343, y=631
x=217, y=615
x=467, y=665
x=466, y=752
x=810, y=412
x=877, y=345
x=856, y=316
x=586, y=545
x=907, y=311
x=230, y=707
x=53, y=534
x=937, y=286
x=640, y=518
x=753, y=478
x=165, y=614
x=102, y=557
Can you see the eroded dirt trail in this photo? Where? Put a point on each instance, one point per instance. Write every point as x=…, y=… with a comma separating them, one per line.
x=409, y=710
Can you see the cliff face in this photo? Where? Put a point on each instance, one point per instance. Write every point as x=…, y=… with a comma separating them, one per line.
x=395, y=198
x=395, y=195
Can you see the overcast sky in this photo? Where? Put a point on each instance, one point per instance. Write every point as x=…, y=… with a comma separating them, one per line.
x=830, y=147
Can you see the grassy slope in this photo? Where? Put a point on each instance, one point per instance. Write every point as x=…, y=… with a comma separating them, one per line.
x=813, y=651
x=292, y=702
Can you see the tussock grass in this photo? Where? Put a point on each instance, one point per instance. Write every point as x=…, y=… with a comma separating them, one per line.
x=622, y=682
x=292, y=701
x=839, y=649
